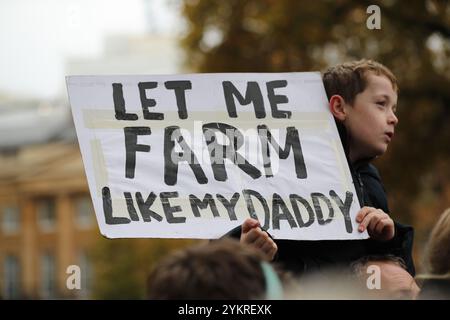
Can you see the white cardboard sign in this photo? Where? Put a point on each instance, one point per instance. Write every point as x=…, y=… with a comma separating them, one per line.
x=192, y=156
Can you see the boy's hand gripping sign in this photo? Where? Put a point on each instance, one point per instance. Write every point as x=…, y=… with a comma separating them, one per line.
x=192, y=156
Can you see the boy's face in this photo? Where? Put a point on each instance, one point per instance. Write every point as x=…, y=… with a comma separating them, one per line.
x=370, y=122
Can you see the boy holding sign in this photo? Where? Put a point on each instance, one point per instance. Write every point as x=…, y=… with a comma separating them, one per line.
x=362, y=98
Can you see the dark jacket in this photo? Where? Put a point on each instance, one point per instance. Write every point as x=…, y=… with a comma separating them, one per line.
x=300, y=256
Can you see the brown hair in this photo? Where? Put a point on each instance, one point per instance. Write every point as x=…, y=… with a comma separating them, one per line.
x=222, y=269
x=358, y=267
x=438, y=253
x=350, y=78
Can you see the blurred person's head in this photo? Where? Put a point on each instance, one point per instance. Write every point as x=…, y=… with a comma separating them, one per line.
x=393, y=282
x=436, y=280
x=330, y=283
x=222, y=269
x=438, y=249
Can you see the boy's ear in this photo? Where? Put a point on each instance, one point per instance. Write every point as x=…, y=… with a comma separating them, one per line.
x=337, y=107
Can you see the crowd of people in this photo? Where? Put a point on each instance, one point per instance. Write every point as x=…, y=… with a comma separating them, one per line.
x=229, y=269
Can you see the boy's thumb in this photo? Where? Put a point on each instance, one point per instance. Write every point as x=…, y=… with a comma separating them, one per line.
x=249, y=224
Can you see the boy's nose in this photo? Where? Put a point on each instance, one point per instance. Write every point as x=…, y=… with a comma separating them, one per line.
x=393, y=119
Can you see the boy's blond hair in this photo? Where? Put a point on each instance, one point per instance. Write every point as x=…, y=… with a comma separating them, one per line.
x=350, y=78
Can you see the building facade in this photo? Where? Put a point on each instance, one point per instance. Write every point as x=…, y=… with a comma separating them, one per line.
x=47, y=222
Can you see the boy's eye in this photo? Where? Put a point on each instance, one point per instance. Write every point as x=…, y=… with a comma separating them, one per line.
x=381, y=103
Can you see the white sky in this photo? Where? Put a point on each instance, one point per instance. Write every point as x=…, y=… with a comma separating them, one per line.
x=37, y=36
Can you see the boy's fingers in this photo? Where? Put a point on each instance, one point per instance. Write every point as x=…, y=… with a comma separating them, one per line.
x=384, y=223
x=365, y=222
x=251, y=236
x=249, y=224
x=273, y=251
x=266, y=246
x=382, y=216
x=374, y=221
x=270, y=248
x=362, y=213
x=260, y=241
x=380, y=226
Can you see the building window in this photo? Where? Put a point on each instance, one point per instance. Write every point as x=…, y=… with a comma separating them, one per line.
x=46, y=214
x=48, y=276
x=11, y=277
x=84, y=212
x=86, y=275
x=10, y=216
